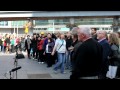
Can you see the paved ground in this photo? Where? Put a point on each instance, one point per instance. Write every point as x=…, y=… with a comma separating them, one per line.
x=30, y=69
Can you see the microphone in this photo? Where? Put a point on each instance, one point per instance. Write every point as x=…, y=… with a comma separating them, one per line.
x=15, y=69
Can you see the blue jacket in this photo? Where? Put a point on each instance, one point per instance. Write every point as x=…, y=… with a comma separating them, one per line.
x=106, y=53
x=45, y=43
x=106, y=48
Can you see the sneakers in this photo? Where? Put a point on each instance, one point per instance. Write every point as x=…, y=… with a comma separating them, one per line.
x=42, y=62
x=55, y=72
x=63, y=72
x=39, y=62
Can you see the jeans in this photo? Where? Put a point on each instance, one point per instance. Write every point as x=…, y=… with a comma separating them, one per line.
x=68, y=59
x=60, y=63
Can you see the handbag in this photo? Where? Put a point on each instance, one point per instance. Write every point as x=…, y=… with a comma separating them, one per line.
x=112, y=72
x=20, y=56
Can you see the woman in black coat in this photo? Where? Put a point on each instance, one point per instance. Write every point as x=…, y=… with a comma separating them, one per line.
x=114, y=56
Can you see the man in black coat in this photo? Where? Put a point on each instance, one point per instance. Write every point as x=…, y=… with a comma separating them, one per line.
x=89, y=57
x=34, y=46
x=94, y=33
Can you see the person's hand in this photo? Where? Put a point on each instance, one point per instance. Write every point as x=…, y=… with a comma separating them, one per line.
x=44, y=53
x=52, y=53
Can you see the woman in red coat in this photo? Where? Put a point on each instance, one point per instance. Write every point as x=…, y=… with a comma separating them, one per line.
x=40, y=50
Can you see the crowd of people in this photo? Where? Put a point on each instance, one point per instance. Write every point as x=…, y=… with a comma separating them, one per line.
x=8, y=43
x=86, y=52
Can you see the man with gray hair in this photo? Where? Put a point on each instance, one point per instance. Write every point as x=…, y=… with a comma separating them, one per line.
x=102, y=39
x=89, y=57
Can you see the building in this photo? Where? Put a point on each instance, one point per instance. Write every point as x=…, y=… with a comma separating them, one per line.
x=54, y=21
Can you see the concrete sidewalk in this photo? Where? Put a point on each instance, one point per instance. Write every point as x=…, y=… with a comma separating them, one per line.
x=30, y=69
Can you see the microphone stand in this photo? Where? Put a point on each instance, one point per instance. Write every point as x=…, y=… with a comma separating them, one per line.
x=10, y=76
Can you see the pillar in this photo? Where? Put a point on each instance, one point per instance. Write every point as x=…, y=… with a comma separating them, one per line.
x=31, y=28
x=115, y=24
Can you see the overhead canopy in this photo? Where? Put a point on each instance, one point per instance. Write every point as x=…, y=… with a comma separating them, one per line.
x=25, y=15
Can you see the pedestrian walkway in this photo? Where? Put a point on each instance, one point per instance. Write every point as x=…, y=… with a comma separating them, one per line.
x=30, y=69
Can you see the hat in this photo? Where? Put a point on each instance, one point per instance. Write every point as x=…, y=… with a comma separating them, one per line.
x=42, y=32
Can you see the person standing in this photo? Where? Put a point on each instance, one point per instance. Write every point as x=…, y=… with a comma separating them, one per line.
x=1, y=45
x=28, y=46
x=94, y=33
x=89, y=57
x=68, y=53
x=7, y=40
x=114, y=57
x=34, y=46
x=48, y=51
x=102, y=39
x=40, y=50
x=60, y=47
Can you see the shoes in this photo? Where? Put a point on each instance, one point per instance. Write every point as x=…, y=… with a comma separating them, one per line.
x=49, y=66
x=39, y=62
x=42, y=62
x=55, y=72
x=63, y=72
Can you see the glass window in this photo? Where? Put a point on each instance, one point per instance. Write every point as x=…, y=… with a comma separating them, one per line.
x=41, y=22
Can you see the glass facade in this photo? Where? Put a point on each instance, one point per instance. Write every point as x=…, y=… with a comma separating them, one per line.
x=19, y=23
x=3, y=23
x=94, y=21
x=50, y=22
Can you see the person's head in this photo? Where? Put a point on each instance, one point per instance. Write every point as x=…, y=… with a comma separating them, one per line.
x=28, y=36
x=84, y=33
x=74, y=36
x=101, y=34
x=75, y=30
x=34, y=36
x=58, y=35
x=49, y=35
x=113, y=38
x=93, y=31
x=62, y=36
x=50, y=40
x=68, y=35
x=39, y=38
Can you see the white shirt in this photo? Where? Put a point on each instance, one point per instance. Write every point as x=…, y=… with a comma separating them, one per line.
x=59, y=48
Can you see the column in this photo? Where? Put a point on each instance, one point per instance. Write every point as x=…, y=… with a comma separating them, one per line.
x=72, y=22
x=31, y=28
x=17, y=30
x=53, y=27
x=115, y=24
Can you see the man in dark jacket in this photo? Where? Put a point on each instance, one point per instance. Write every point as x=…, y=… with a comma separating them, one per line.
x=94, y=33
x=28, y=46
x=68, y=54
x=34, y=46
x=101, y=36
x=89, y=57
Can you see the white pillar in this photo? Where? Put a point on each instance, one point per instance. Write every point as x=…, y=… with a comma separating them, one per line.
x=14, y=31
x=17, y=30
x=53, y=27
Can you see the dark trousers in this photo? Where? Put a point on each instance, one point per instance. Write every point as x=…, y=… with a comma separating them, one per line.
x=40, y=57
x=28, y=53
x=49, y=59
x=35, y=53
x=12, y=48
x=4, y=49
